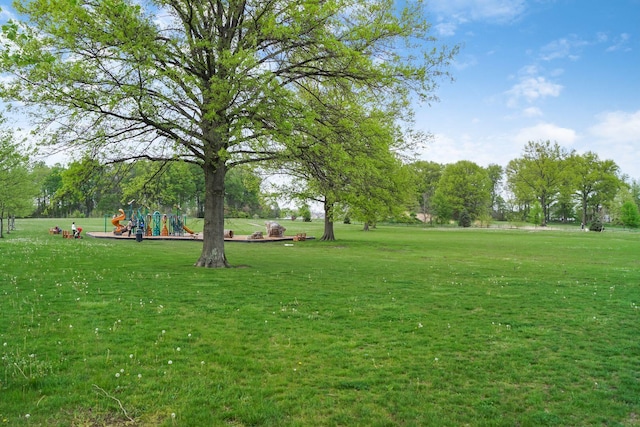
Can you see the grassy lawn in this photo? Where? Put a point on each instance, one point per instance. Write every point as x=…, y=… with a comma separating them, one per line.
x=397, y=326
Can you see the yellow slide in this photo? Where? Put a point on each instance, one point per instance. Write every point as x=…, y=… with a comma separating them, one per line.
x=188, y=230
x=116, y=222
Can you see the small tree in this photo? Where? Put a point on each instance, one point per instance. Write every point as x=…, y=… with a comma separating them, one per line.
x=465, y=219
x=535, y=214
x=305, y=212
x=596, y=225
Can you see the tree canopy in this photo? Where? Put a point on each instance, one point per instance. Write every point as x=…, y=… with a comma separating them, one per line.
x=216, y=84
x=538, y=174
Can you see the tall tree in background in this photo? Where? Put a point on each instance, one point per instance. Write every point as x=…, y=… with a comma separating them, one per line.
x=81, y=183
x=242, y=192
x=495, y=173
x=48, y=180
x=17, y=188
x=212, y=83
x=594, y=181
x=464, y=186
x=538, y=173
x=426, y=175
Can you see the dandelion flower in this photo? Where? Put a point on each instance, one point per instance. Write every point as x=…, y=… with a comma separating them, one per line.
x=170, y=362
x=117, y=374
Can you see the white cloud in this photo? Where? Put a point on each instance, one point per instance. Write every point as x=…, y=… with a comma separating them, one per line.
x=620, y=43
x=618, y=126
x=532, y=112
x=485, y=150
x=446, y=29
x=478, y=10
x=466, y=62
x=616, y=135
x=531, y=89
x=546, y=132
x=453, y=13
x=563, y=48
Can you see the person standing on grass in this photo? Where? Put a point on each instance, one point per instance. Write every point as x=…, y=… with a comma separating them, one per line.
x=74, y=230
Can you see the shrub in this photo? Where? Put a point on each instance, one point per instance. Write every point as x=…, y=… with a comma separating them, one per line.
x=465, y=219
x=596, y=225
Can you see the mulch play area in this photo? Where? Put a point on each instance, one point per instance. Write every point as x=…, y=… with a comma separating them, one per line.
x=198, y=236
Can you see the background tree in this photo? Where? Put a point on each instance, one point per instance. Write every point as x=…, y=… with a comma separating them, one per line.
x=426, y=174
x=212, y=83
x=17, y=188
x=387, y=192
x=536, y=215
x=538, y=174
x=80, y=185
x=495, y=173
x=629, y=215
x=243, y=193
x=464, y=185
x=465, y=219
x=348, y=144
x=594, y=181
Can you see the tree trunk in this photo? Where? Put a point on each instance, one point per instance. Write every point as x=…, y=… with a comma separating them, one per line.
x=213, y=233
x=366, y=227
x=328, y=222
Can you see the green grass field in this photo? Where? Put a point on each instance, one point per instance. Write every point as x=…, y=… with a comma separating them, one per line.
x=399, y=326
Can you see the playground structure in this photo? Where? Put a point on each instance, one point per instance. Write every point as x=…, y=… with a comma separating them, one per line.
x=152, y=224
x=66, y=234
x=119, y=228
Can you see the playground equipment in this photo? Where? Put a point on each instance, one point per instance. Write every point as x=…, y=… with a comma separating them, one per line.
x=119, y=228
x=70, y=235
x=155, y=224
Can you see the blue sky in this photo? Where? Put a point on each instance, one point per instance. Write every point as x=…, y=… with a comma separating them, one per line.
x=528, y=70
x=560, y=70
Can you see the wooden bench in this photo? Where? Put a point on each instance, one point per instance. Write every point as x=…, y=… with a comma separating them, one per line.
x=67, y=234
x=300, y=237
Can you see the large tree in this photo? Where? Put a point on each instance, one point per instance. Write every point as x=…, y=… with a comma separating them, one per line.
x=426, y=176
x=209, y=82
x=463, y=186
x=538, y=174
x=346, y=156
x=594, y=181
